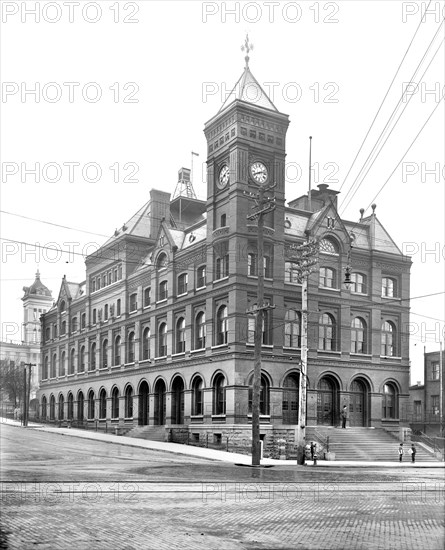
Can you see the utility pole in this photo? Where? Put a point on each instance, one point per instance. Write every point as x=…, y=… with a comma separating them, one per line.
x=305, y=256
x=263, y=205
x=27, y=393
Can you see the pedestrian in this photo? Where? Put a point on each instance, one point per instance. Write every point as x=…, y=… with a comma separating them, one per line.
x=313, y=449
x=400, y=452
x=413, y=453
x=344, y=416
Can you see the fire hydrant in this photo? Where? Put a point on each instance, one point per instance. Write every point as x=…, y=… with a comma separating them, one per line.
x=315, y=459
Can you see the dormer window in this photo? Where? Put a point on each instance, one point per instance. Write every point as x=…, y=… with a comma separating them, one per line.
x=62, y=306
x=162, y=261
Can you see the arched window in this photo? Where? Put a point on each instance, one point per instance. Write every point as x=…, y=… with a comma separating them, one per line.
x=70, y=415
x=389, y=287
x=291, y=392
x=221, y=326
x=44, y=406
x=62, y=306
x=161, y=261
x=93, y=356
x=53, y=365
x=117, y=351
x=223, y=220
x=326, y=332
x=163, y=290
x=83, y=320
x=81, y=361
x=115, y=403
x=292, y=329
x=201, y=276
x=251, y=323
x=219, y=395
x=180, y=335
x=327, y=277
x=74, y=324
x=63, y=328
x=72, y=361
x=131, y=347
x=388, y=342
x=61, y=407
x=91, y=405
x=106, y=312
x=52, y=408
x=147, y=297
x=129, y=402
x=133, y=302
x=80, y=406
x=102, y=404
x=358, y=281
x=62, y=364
x=182, y=284
x=146, y=343
x=197, y=404
x=222, y=261
x=358, y=336
x=389, y=401
x=200, y=330
x=252, y=264
x=105, y=354
x=264, y=395
x=47, y=334
x=45, y=368
x=162, y=342
x=118, y=307
x=329, y=246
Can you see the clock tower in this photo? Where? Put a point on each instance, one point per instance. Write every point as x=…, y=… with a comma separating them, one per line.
x=245, y=149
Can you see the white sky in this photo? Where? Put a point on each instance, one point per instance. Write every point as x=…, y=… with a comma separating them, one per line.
x=173, y=53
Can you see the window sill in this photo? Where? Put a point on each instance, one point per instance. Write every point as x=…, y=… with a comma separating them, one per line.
x=178, y=355
x=132, y=311
x=220, y=346
x=182, y=294
x=328, y=352
x=130, y=364
x=145, y=361
x=290, y=348
x=361, y=355
x=161, y=301
x=196, y=417
x=200, y=288
x=218, y=416
x=71, y=375
x=147, y=307
x=359, y=293
x=329, y=288
x=160, y=357
x=226, y=278
x=199, y=350
x=263, y=346
x=116, y=366
x=264, y=416
x=391, y=357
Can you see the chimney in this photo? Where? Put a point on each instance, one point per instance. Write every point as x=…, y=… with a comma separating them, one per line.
x=159, y=210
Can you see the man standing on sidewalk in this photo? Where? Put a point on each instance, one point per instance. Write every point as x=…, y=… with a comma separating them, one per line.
x=413, y=453
x=400, y=452
x=344, y=416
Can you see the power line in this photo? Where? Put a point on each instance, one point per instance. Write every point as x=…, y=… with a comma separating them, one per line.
x=377, y=144
x=383, y=100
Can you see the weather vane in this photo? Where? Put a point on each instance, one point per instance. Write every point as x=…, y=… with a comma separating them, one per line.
x=247, y=48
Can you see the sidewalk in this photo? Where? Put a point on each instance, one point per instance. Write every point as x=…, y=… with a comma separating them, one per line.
x=209, y=454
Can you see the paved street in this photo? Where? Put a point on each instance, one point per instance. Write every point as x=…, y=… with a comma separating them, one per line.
x=65, y=492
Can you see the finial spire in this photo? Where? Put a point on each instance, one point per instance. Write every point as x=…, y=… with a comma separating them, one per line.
x=247, y=47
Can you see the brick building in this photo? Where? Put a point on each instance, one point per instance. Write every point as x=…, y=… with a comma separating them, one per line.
x=427, y=413
x=158, y=333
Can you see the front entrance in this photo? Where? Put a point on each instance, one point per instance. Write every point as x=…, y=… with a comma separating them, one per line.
x=178, y=401
x=327, y=402
x=357, y=404
x=143, y=404
x=290, y=399
x=160, y=403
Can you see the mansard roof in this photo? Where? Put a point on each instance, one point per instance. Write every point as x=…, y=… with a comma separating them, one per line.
x=36, y=289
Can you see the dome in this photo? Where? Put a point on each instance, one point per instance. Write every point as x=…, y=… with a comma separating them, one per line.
x=37, y=288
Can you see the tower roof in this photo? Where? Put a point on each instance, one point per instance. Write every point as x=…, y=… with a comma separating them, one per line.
x=249, y=90
x=36, y=289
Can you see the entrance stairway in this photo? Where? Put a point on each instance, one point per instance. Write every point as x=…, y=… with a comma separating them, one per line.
x=153, y=433
x=367, y=444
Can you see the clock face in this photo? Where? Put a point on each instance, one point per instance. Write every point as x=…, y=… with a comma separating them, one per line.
x=259, y=172
x=224, y=177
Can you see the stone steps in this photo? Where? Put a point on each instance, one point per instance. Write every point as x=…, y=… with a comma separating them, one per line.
x=365, y=444
x=152, y=433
